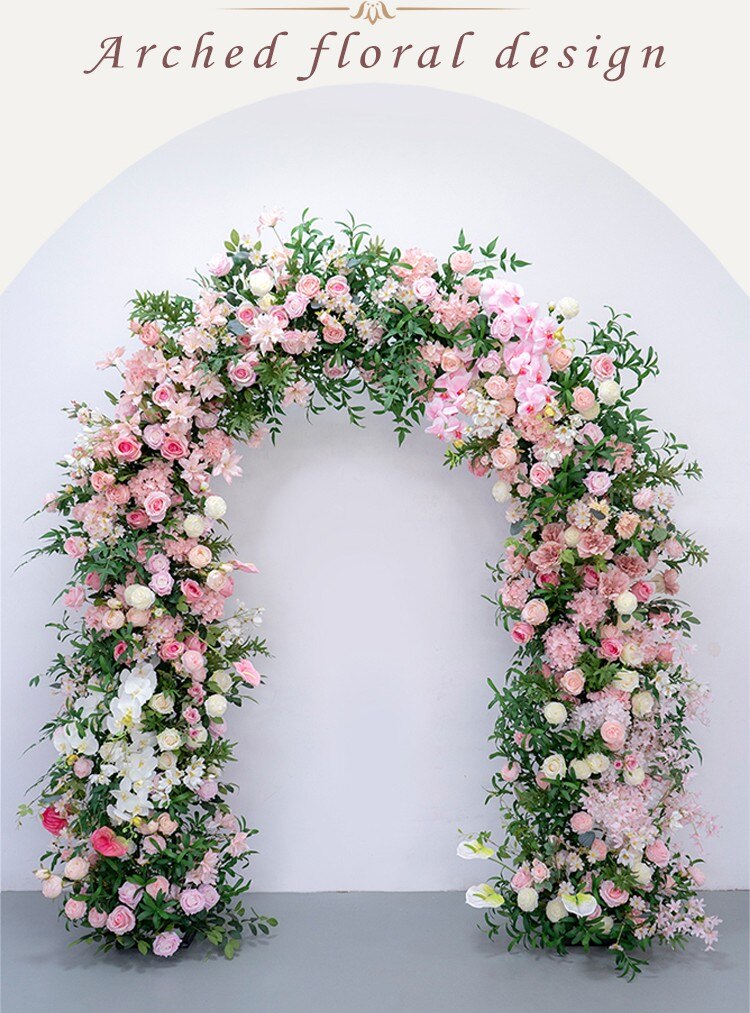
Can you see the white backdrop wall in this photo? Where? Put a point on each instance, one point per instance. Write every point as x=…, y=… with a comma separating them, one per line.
x=367, y=749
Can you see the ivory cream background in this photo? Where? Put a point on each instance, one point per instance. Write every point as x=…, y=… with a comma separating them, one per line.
x=367, y=750
x=678, y=131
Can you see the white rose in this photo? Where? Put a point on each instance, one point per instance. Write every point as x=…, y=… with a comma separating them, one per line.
x=626, y=603
x=169, y=740
x=632, y=654
x=223, y=680
x=597, y=762
x=609, y=392
x=501, y=491
x=568, y=307
x=215, y=705
x=555, y=910
x=554, y=767
x=572, y=537
x=260, y=282
x=138, y=596
x=216, y=579
x=198, y=737
x=200, y=556
x=215, y=507
x=643, y=873
x=77, y=868
x=555, y=713
x=581, y=769
x=642, y=703
x=167, y=761
x=528, y=899
x=590, y=413
x=626, y=680
x=635, y=776
x=193, y=525
x=161, y=703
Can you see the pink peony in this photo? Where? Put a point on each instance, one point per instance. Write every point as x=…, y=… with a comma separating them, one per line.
x=75, y=909
x=192, y=901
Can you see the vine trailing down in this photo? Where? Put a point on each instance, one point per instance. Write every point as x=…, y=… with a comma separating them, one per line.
x=591, y=735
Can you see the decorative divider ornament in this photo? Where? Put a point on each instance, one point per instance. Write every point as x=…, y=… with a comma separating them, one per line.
x=591, y=734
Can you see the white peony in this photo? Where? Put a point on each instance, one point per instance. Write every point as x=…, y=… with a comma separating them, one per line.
x=483, y=895
x=609, y=392
x=193, y=525
x=555, y=713
x=215, y=507
x=215, y=705
x=642, y=703
x=589, y=414
x=501, y=491
x=554, y=767
x=632, y=654
x=138, y=596
x=528, y=899
x=568, y=307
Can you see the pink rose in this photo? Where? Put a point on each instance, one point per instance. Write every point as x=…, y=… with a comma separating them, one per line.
x=192, y=901
x=174, y=447
x=613, y=734
x=560, y=358
x=425, y=289
x=156, y=505
x=138, y=519
x=510, y=774
x=337, y=287
x=540, y=474
x=207, y=790
x=573, y=681
x=295, y=304
x=210, y=895
x=166, y=944
x=602, y=367
x=539, y=871
x=74, y=598
x=192, y=590
x=597, y=482
x=497, y=387
x=192, y=662
x=461, y=262
x=598, y=849
x=97, y=919
x=334, y=333
x=219, y=265
x=75, y=909
x=522, y=633
x=450, y=361
x=75, y=547
x=93, y=581
x=658, y=853
x=171, y=649
x=158, y=885
x=83, y=767
x=121, y=920
x=308, y=285
x=521, y=879
x=107, y=843
x=247, y=671
x=535, y=612
x=643, y=590
x=102, y=480
x=241, y=373
x=130, y=894
x=503, y=457
x=613, y=896
x=162, y=582
x=127, y=448
x=610, y=649
x=581, y=823
x=583, y=399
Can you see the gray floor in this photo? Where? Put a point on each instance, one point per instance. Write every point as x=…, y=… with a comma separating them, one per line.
x=362, y=953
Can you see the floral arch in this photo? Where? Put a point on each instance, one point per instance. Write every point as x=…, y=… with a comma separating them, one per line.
x=591, y=734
